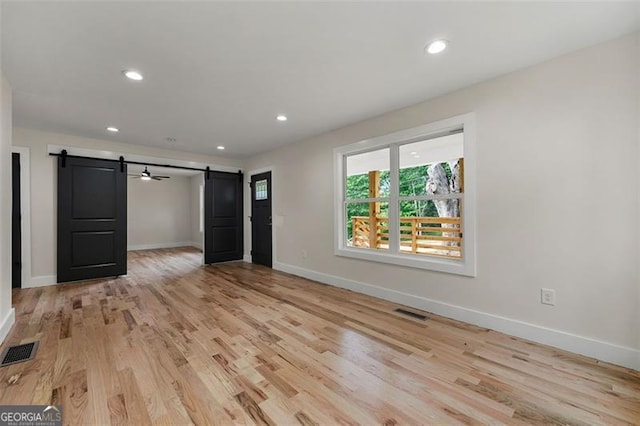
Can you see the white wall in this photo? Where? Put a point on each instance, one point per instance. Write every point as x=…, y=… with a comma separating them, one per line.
x=197, y=237
x=44, y=188
x=558, y=205
x=158, y=213
x=7, y=315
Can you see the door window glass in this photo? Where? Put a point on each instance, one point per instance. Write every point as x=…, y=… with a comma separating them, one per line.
x=261, y=190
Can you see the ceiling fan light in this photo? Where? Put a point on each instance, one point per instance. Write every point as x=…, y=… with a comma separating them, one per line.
x=145, y=175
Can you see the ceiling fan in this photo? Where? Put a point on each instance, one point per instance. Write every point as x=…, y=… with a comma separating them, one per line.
x=146, y=175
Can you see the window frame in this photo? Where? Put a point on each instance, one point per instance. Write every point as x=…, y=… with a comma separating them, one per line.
x=466, y=265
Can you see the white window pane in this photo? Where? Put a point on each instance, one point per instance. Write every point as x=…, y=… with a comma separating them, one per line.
x=432, y=227
x=436, y=150
x=431, y=166
x=359, y=231
x=362, y=168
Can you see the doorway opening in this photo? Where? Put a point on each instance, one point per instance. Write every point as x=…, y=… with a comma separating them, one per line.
x=164, y=208
x=183, y=210
x=164, y=215
x=16, y=223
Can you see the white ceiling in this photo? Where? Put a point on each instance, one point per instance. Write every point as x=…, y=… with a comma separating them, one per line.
x=219, y=72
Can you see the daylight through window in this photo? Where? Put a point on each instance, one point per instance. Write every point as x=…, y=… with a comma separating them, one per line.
x=405, y=200
x=429, y=191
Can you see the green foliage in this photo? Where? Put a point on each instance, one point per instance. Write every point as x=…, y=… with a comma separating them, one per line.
x=413, y=182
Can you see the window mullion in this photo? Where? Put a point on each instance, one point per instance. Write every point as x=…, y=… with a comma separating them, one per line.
x=367, y=200
x=450, y=196
x=394, y=215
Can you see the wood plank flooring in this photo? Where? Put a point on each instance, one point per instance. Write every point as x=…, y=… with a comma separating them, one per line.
x=175, y=342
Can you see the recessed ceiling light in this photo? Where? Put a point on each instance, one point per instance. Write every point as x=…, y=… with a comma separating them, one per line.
x=132, y=75
x=220, y=147
x=413, y=153
x=437, y=46
x=281, y=117
x=113, y=129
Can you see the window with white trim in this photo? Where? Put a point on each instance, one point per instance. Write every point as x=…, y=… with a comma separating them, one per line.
x=408, y=198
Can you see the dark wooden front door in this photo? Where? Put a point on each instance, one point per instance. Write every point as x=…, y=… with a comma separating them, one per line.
x=261, y=222
x=16, y=223
x=92, y=219
x=223, y=239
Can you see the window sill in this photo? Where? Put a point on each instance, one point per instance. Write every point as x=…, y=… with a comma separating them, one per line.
x=457, y=267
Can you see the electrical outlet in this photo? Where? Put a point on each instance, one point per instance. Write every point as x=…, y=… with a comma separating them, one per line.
x=548, y=296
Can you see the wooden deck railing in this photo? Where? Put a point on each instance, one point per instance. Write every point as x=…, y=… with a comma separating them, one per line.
x=434, y=236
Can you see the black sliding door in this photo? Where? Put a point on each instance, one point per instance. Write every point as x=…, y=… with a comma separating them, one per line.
x=222, y=217
x=92, y=219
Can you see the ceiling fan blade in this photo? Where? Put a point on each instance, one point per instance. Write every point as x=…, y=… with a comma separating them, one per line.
x=135, y=176
x=156, y=178
x=163, y=177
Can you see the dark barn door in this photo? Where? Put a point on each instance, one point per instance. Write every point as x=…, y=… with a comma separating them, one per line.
x=261, y=219
x=16, y=223
x=223, y=239
x=92, y=219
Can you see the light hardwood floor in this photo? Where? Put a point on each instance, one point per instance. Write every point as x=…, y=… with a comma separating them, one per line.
x=175, y=343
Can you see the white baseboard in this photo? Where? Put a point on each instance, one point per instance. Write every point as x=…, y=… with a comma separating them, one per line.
x=41, y=281
x=246, y=258
x=160, y=246
x=609, y=352
x=7, y=323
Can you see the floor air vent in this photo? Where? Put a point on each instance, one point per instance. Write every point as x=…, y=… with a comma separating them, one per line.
x=411, y=314
x=20, y=353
